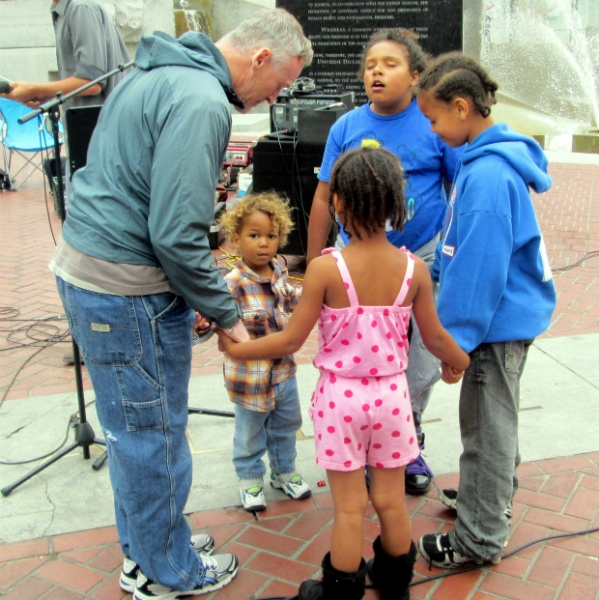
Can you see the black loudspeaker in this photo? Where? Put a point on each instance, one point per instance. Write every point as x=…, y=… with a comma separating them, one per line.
x=289, y=168
x=314, y=124
x=80, y=122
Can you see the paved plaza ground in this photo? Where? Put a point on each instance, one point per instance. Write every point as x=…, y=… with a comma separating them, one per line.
x=57, y=534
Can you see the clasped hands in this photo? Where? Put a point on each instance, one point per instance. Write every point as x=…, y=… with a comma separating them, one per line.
x=449, y=374
x=237, y=333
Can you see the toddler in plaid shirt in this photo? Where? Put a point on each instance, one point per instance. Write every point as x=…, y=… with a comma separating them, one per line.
x=267, y=408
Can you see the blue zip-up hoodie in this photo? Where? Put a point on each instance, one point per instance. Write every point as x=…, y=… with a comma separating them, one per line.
x=495, y=283
x=146, y=195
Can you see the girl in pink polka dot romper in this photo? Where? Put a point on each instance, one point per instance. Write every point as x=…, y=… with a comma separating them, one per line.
x=362, y=298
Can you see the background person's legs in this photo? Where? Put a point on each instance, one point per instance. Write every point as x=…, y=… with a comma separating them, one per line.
x=422, y=374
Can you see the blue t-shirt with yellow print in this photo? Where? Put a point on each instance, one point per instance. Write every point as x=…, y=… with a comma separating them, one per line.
x=426, y=161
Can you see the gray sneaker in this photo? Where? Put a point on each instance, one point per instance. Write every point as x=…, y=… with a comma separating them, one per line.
x=219, y=570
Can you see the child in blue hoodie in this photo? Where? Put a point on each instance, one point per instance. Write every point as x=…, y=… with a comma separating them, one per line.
x=496, y=294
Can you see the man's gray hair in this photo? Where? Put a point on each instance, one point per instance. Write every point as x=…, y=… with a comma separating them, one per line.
x=275, y=29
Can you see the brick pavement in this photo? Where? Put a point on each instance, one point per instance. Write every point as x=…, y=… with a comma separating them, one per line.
x=285, y=544
x=568, y=214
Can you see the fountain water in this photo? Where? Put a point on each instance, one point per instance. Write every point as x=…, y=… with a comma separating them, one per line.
x=193, y=15
x=546, y=59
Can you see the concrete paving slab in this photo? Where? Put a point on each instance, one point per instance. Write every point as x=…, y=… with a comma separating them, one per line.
x=579, y=353
x=560, y=404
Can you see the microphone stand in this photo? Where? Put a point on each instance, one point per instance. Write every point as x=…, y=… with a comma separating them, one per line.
x=84, y=433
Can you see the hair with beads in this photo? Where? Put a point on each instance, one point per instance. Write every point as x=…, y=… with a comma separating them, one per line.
x=404, y=37
x=270, y=204
x=454, y=75
x=369, y=182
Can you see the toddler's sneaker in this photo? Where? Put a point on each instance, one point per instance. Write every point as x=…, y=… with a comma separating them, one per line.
x=437, y=550
x=202, y=543
x=292, y=484
x=449, y=497
x=252, y=495
x=219, y=571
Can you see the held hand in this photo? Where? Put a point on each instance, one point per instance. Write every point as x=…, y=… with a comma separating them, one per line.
x=225, y=343
x=238, y=332
x=449, y=374
x=201, y=323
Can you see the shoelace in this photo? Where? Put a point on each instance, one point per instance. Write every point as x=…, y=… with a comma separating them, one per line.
x=207, y=563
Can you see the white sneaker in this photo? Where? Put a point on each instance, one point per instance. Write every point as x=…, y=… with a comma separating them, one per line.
x=292, y=484
x=202, y=543
x=252, y=495
x=219, y=571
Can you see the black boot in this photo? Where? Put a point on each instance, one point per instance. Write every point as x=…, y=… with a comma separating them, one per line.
x=335, y=585
x=391, y=575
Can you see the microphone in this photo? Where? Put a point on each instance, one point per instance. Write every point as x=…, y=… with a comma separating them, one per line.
x=5, y=87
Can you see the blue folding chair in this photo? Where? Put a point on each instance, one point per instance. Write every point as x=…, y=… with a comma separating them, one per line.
x=28, y=140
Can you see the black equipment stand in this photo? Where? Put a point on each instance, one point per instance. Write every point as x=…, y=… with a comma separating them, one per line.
x=200, y=339
x=206, y=411
x=84, y=433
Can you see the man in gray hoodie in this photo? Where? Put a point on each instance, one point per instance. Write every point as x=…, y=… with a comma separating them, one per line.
x=134, y=267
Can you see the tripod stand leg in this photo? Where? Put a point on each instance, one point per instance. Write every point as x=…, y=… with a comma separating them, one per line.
x=99, y=461
x=207, y=411
x=9, y=488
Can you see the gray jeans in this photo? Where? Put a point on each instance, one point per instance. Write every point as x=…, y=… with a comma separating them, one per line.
x=489, y=402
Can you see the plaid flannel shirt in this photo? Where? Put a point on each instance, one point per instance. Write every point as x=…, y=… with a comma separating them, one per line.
x=265, y=306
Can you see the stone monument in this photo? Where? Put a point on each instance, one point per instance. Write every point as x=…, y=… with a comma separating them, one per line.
x=339, y=29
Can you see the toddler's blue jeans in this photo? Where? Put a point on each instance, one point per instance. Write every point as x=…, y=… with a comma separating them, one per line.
x=273, y=432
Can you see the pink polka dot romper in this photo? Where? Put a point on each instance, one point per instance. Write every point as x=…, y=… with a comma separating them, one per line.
x=361, y=407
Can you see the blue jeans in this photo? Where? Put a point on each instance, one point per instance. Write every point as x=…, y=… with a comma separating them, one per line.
x=137, y=350
x=489, y=403
x=257, y=433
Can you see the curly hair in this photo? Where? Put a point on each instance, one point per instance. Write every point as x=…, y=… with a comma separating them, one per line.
x=453, y=75
x=416, y=57
x=369, y=182
x=270, y=204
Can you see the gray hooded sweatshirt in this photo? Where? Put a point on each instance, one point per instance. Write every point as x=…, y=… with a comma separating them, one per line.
x=146, y=195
